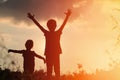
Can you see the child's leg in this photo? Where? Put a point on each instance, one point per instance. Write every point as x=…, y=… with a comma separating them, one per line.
x=27, y=75
x=57, y=65
x=49, y=67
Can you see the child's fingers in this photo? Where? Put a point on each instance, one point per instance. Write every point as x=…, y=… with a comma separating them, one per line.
x=68, y=12
x=30, y=15
x=44, y=61
x=9, y=50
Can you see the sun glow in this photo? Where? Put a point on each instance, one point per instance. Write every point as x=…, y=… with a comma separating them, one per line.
x=96, y=26
x=85, y=38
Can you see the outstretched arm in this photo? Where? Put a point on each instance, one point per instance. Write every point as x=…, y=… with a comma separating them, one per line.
x=36, y=22
x=68, y=13
x=15, y=51
x=40, y=57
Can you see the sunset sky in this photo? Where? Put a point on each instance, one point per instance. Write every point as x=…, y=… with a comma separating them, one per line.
x=89, y=38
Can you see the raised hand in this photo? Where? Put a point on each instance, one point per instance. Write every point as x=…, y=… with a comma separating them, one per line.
x=30, y=16
x=68, y=13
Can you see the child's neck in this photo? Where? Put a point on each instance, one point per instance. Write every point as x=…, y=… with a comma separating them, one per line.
x=51, y=31
x=28, y=49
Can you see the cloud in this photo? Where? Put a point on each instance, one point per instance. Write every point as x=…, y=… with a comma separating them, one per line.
x=2, y=45
x=3, y=1
x=43, y=9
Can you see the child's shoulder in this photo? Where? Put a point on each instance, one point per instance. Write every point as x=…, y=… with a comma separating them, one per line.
x=33, y=52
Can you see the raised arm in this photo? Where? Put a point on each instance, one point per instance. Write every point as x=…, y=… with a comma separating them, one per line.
x=68, y=13
x=36, y=22
x=15, y=51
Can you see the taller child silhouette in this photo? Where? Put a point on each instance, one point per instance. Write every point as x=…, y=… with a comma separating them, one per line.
x=52, y=48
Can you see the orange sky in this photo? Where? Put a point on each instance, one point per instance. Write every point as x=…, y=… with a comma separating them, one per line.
x=88, y=39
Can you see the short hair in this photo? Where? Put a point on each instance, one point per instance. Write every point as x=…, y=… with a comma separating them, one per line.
x=51, y=21
x=51, y=24
x=29, y=43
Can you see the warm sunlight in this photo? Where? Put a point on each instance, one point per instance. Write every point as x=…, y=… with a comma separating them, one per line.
x=91, y=36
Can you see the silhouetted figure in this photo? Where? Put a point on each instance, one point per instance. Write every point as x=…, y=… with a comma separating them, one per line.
x=29, y=59
x=52, y=48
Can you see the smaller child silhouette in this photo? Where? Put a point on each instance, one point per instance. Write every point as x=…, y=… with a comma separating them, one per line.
x=29, y=58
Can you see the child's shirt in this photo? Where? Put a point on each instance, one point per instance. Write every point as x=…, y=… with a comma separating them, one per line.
x=52, y=42
x=29, y=60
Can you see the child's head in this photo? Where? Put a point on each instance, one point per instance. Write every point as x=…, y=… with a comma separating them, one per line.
x=51, y=24
x=29, y=44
